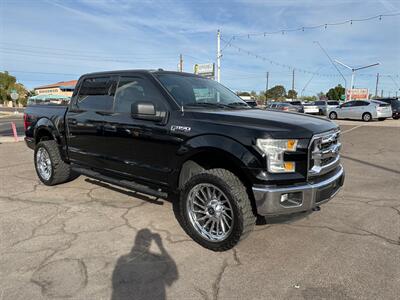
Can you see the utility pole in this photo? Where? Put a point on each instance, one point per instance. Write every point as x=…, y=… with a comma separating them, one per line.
x=381, y=93
x=376, y=86
x=293, y=84
x=266, y=86
x=180, y=63
x=218, y=55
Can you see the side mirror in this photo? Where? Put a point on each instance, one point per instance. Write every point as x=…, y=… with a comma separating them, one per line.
x=146, y=111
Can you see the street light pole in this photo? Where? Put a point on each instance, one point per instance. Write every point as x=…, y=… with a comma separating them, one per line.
x=353, y=73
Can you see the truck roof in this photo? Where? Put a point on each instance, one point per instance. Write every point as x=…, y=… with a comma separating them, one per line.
x=148, y=71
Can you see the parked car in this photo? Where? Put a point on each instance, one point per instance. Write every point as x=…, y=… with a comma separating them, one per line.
x=331, y=104
x=283, y=106
x=395, y=104
x=189, y=139
x=251, y=103
x=322, y=107
x=361, y=110
x=298, y=105
x=311, y=108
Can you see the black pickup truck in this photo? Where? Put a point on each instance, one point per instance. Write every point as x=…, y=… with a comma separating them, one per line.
x=180, y=136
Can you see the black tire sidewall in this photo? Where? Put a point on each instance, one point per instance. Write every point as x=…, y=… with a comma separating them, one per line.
x=44, y=146
x=237, y=229
x=333, y=114
x=366, y=114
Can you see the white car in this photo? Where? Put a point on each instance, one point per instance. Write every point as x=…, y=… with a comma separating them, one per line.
x=361, y=110
x=310, y=108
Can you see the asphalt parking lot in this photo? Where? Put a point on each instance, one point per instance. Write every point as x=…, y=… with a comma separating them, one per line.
x=80, y=239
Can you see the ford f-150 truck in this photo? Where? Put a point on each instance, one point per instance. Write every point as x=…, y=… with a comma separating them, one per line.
x=180, y=136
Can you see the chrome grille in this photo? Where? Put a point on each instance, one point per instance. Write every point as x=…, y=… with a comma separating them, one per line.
x=324, y=153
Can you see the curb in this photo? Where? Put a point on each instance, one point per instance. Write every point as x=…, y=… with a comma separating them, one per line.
x=11, y=139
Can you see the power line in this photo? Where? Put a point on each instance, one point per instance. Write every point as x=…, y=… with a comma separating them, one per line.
x=323, y=25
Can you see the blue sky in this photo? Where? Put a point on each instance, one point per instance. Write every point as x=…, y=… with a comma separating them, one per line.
x=43, y=42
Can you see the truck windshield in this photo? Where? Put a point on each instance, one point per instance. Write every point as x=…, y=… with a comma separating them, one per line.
x=196, y=91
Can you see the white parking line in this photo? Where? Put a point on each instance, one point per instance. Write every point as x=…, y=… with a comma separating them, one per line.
x=351, y=129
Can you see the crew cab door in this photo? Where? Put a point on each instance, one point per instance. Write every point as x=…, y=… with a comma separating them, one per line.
x=139, y=146
x=85, y=120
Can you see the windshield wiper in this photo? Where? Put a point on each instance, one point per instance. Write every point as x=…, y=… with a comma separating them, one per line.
x=236, y=104
x=207, y=104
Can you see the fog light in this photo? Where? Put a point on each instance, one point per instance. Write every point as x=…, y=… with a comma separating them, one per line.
x=292, y=199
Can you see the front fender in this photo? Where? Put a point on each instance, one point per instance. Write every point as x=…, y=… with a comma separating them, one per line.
x=244, y=157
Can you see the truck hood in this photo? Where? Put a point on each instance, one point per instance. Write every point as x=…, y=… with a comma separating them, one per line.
x=275, y=123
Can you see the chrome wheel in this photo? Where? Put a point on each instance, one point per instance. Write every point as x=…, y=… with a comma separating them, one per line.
x=210, y=212
x=43, y=163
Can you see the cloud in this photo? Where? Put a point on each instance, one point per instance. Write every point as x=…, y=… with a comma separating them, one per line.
x=152, y=34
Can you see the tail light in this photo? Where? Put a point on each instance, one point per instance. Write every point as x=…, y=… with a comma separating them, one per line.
x=286, y=108
x=27, y=123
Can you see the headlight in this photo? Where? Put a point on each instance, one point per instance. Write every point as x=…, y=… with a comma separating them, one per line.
x=275, y=149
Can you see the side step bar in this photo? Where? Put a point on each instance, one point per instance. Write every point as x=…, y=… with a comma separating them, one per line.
x=123, y=183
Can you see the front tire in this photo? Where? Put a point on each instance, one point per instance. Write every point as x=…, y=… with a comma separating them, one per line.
x=215, y=209
x=367, y=117
x=333, y=115
x=50, y=167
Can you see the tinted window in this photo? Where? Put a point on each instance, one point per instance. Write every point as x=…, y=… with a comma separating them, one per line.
x=136, y=89
x=360, y=103
x=96, y=94
x=349, y=104
x=295, y=103
x=333, y=102
x=319, y=102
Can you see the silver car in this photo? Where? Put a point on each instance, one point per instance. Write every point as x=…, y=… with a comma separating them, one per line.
x=361, y=110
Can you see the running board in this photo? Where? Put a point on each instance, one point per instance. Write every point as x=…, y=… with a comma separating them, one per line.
x=123, y=183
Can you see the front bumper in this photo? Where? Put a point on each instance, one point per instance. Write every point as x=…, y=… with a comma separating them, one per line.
x=307, y=196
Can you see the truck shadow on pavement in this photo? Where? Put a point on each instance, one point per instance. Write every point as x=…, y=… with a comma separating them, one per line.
x=143, y=274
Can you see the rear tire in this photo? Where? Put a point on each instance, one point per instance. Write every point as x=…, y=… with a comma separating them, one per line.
x=366, y=117
x=333, y=115
x=224, y=204
x=50, y=167
x=396, y=118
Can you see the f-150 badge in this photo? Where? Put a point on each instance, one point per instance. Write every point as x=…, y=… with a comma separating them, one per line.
x=176, y=128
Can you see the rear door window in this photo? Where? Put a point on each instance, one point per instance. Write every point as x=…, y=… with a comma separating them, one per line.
x=96, y=94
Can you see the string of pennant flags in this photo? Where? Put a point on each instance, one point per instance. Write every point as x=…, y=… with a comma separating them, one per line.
x=323, y=25
x=291, y=68
x=229, y=43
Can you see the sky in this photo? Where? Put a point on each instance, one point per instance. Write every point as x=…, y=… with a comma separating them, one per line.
x=43, y=42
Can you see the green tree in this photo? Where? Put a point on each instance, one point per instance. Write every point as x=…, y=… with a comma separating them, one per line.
x=276, y=92
x=335, y=93
x=309, y=98
x=243, y=93
x=292, y=94
x=7, y=83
